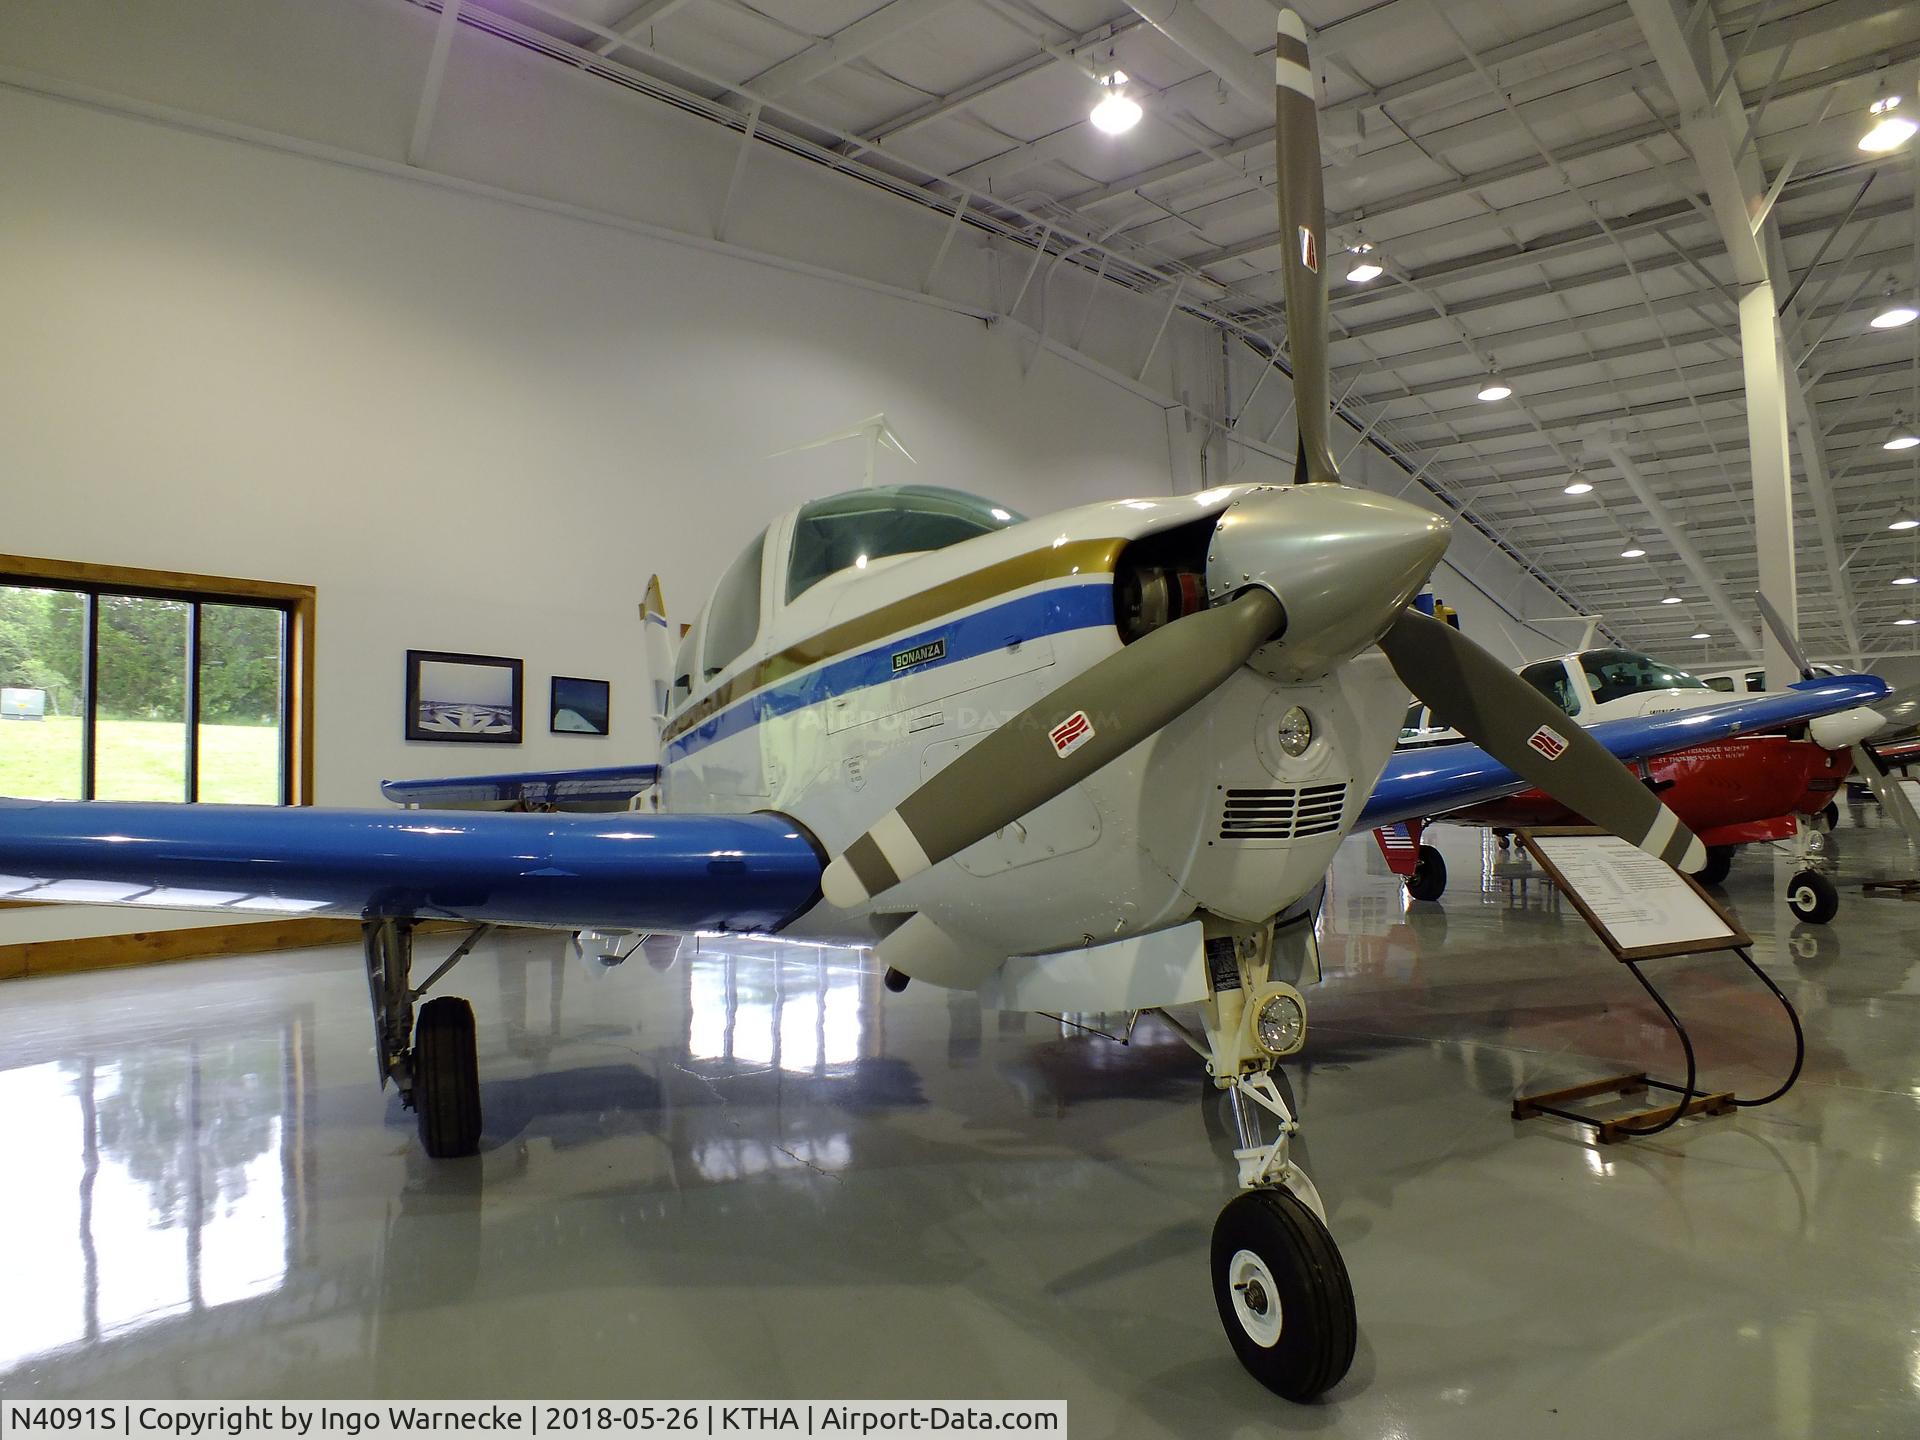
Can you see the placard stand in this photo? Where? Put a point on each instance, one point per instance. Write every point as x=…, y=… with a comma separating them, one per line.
x=1643, y=909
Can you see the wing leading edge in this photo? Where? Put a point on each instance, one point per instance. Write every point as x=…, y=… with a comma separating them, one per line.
x=630, y=871
x=1420, y=784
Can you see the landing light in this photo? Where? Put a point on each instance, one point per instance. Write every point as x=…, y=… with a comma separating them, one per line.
x=1295, y=732
x=1280, y=1022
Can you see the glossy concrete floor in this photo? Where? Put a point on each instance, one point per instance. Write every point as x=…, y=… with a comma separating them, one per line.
x=756, y=1174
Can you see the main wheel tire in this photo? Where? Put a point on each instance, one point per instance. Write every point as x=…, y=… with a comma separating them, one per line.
x=1832, y=814
x=1429, y=878
x=1813, y=897
x=1283, y=1294
x=1719, y=862
x=446, y=1078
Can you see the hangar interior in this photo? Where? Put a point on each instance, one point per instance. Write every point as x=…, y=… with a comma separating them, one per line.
x=450, y=323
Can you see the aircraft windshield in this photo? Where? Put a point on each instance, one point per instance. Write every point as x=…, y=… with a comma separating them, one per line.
x=842, y=531
x=1614, y=674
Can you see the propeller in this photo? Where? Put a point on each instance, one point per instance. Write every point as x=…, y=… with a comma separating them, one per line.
x=1304, y=578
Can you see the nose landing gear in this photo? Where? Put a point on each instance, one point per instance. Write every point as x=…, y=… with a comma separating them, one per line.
x=1282, y=1290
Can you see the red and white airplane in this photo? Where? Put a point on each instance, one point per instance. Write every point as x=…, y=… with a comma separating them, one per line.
x=1740, y=790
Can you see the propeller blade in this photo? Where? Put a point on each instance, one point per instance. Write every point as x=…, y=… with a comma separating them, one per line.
x=1303, y=230
x=1055, y=743
x=1783, y=632
x=1526, y=732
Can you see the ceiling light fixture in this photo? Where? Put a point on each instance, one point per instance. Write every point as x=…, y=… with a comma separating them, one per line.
x=1888, y=131
x=1903, y=439
x=1701, y=635
x=1364, y=269
x=1632, y=552
x=1908, y=580
x=1579, y=487
x=1905, y=525
x=1671, y=600
x=1907, y=622
x=1894, y=315
x=1116, y=112
x=1494, y=390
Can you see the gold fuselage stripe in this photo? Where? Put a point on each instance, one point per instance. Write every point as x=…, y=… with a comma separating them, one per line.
x=1055, y=562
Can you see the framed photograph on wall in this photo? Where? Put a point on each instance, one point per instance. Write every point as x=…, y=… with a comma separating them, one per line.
x=463, y=697
x=581, y=707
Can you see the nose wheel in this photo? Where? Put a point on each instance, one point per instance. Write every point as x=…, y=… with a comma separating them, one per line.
x=1283, y=1293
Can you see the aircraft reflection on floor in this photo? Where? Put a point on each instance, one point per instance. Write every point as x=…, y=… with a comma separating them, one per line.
x=163, y=1180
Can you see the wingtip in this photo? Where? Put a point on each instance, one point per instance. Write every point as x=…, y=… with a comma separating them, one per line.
x=842, y=886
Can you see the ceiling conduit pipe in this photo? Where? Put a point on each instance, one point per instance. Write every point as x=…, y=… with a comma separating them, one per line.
x=1182, y=22
x=1743, y=633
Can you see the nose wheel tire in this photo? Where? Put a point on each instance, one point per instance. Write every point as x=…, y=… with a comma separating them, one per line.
x=1283, y=1294
x=1813, y=897
x=446, y=1078
x=1429, y=878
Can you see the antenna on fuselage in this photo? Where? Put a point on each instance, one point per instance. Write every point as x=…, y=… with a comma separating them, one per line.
x=874, y=430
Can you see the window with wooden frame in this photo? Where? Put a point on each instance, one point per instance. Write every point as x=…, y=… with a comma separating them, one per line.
x=123, y=684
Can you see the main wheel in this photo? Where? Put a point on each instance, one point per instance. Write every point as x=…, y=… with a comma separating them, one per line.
x=1719, y=862
x=1832, y=814
x=1429, y=878
x=1813, y=897
x=1283, y=1294
x=446, y=1078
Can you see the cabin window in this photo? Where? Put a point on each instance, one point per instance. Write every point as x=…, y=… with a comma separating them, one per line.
x=683, y=670
x=733, y=617
x=1756, y=680
x=1616, y=674
x=1723, y=683
x=1549, y=677
x=119, y=684
x=845, y=532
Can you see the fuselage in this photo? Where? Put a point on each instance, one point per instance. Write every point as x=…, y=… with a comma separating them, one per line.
x=859, y=684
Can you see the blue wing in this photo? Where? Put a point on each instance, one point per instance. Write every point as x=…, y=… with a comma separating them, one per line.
x=630, y=871
x=1419, y=784
x=561, y=789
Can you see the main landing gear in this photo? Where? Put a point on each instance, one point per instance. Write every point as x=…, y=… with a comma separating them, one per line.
x=1279, y=1283
x=433, y=1064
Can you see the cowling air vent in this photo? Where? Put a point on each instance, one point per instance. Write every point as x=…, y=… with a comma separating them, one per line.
x=1290, y=813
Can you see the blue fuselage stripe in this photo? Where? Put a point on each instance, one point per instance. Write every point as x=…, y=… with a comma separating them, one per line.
x=1028, y=618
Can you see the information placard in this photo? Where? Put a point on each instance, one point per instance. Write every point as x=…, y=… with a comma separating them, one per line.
x=1639, y=905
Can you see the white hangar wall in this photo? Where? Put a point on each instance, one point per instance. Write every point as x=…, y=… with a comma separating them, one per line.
x=478, y=402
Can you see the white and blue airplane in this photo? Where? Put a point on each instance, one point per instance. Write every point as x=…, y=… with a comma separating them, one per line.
x=1098, y=761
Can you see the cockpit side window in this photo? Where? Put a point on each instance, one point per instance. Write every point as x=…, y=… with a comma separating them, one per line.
x=1723, y=683
x=733, y=617
x=1549, y=677
x=843, y=532
x=1615, y=674
x=683, y=671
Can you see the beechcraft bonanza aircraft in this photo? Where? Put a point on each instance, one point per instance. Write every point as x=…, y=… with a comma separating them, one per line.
x=1096, y=761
